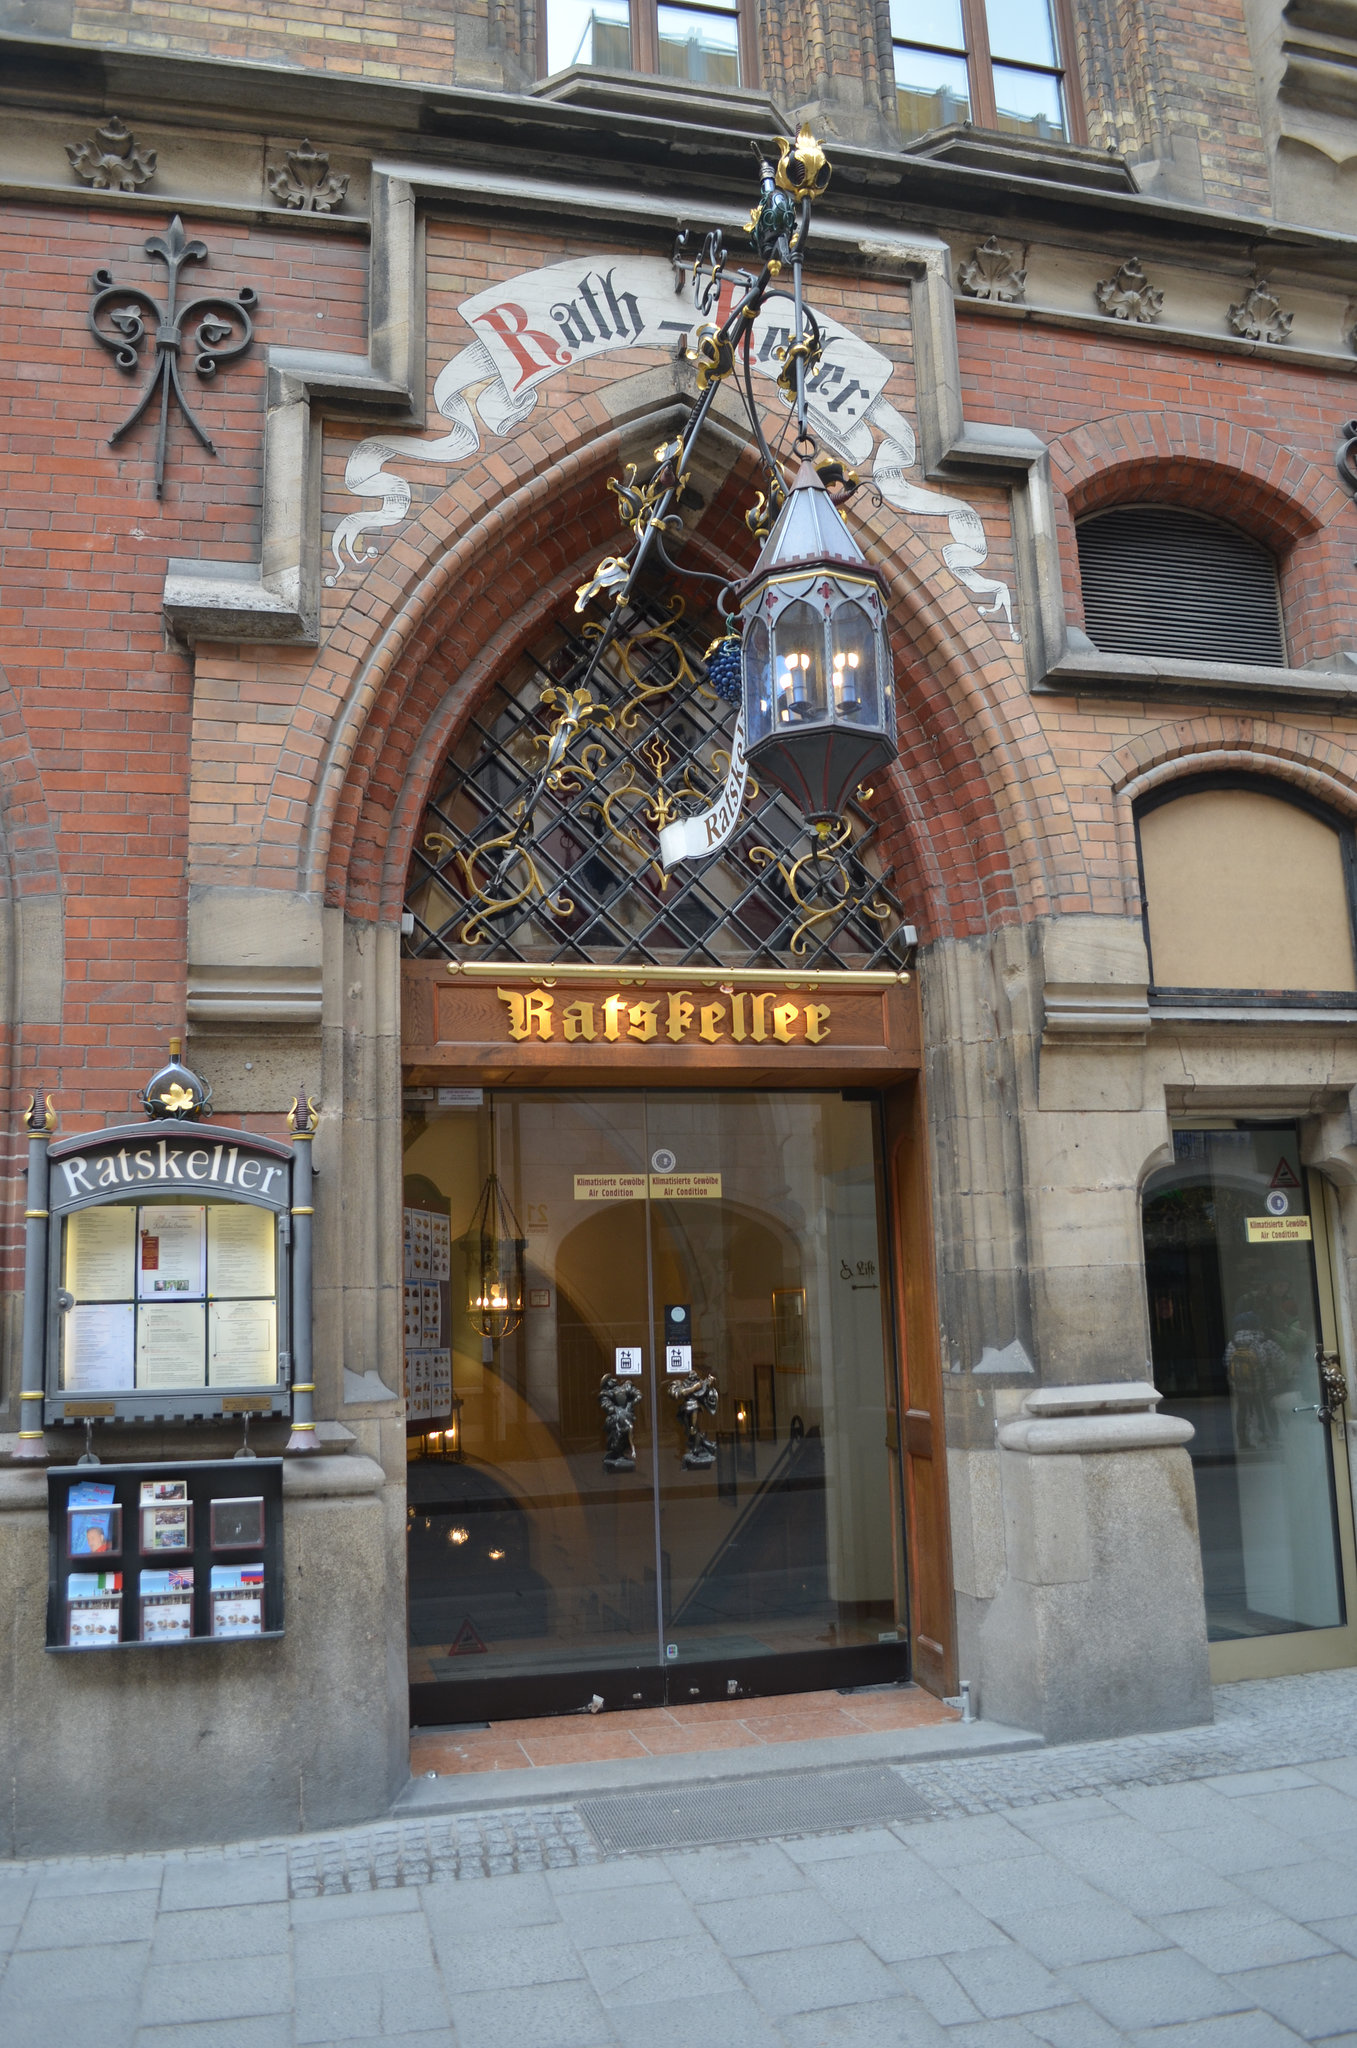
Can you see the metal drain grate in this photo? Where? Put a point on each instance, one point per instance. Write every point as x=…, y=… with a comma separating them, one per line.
x=750, y=1809
x=414, y=1852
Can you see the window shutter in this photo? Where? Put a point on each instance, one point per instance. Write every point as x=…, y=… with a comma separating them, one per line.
x=1161, y=581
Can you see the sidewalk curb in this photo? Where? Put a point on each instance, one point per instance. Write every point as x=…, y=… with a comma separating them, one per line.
x=477, y=1791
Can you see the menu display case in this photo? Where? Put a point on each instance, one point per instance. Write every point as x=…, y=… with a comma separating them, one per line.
x=144, y=1556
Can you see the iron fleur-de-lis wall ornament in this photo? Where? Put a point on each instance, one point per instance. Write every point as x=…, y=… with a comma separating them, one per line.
x=224, y=329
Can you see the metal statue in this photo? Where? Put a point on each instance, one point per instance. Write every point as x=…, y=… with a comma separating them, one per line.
x=691, y=1394
x=619, y=1399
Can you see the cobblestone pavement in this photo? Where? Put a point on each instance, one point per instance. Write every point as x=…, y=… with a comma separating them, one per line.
x=1196, y=1890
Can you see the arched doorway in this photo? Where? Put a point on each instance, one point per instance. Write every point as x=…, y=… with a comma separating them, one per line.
x=671, y=1469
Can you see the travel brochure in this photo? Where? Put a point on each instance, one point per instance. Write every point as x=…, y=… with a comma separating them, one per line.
x=93, y=1521
x=237, y=1600
x=169, y=1296
x=166, y=1516
x=166, y=1606
x=93, y=1610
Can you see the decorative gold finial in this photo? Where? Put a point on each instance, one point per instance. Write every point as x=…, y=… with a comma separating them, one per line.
x=802, y=168
x=47, y=1121
x=296, y=1122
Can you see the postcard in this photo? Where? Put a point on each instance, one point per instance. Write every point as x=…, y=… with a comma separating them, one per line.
x=167, y=1528
x=94, y=1532
x=153, y=1490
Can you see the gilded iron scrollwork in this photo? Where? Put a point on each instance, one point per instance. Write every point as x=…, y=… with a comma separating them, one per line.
x=542, y=840
x=827, y=883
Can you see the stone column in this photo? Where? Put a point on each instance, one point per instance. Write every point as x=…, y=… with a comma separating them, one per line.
x=1098, y=1626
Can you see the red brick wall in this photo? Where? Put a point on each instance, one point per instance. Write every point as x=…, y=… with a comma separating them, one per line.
x=94, y=736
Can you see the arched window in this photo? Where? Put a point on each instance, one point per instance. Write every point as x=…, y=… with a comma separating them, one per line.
x=1161, y=581
x=1248, y=888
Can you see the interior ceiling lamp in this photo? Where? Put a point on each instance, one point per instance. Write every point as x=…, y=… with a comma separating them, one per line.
x=495, y=1247
x=806, y=648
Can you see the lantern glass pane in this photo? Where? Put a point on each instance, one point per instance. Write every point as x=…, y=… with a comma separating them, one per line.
x=799, y=666
x=852, y=641
x=758, y=683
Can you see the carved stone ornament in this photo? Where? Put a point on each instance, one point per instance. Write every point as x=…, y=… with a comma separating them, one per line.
x=305, y=184
x=1259, y=317
x=992, y=274
x=1128, y=294
x=112, y=162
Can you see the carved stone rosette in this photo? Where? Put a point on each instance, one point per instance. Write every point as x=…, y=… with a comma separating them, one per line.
x=112, y=162
x=1259, y=316
x=1128, y=294
x=992, y=274
x=304, y=183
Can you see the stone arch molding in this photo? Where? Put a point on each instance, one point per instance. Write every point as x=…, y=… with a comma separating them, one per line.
x=533, y=328
x=1314, y=762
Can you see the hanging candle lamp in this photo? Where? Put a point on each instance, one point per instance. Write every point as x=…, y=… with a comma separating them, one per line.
x=819, y=680
x=495, y=1247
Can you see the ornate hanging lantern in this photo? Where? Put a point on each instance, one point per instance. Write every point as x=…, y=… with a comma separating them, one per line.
x=819, y=681
x=495, y=1248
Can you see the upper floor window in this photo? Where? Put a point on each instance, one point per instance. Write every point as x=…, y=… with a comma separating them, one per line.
x=699, y=44
x=997, y=63
x=1248, y=888
x=1161, y=581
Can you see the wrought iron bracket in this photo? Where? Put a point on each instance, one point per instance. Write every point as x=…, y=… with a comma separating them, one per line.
x=224, y=330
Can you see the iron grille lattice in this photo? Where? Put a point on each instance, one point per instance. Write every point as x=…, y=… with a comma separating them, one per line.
x=519, y=859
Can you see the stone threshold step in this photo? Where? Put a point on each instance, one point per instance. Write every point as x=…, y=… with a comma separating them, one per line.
x=481, y=1791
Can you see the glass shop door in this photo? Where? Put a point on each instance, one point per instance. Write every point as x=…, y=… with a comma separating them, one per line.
x=669, y=1480
x=1245, y=1347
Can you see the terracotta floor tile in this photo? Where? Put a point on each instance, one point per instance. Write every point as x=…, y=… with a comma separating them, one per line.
x=598, y=1746
x=691, y=1740
x=452, y=1764
x=698, y=1711
x=907, y=1710
x=800, y=1727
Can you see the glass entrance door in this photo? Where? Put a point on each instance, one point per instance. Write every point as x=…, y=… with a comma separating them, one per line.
x=1245, y=1349
x=668, y=1478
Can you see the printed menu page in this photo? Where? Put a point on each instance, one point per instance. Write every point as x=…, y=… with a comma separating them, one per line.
x=170, y=1348
x=170, y=1253
x=97, y=1346
x=99, y=1253
x=240, y=1250
x=243, y=1344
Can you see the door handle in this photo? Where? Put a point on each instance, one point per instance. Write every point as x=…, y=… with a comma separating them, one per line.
x=1333, y=1387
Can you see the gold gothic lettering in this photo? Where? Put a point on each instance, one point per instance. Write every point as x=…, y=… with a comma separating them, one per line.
x=532, y=1014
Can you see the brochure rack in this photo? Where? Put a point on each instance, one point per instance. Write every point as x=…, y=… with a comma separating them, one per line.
x=182, y=1553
